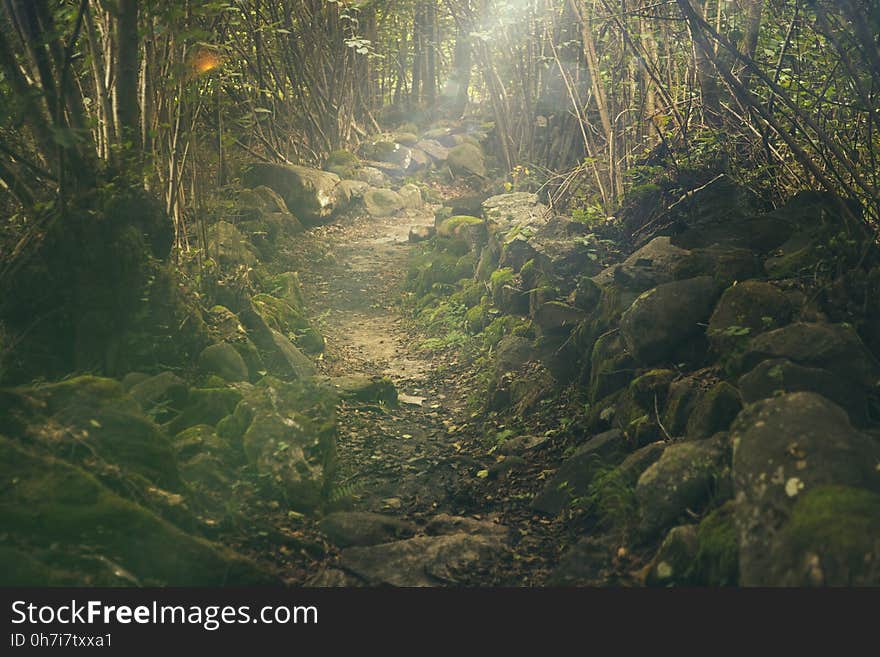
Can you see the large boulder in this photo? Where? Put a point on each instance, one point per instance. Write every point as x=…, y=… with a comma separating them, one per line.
x=663, y=318
x=434, y=149
x=833, y=347
x=224, y=361
x=784, y=449
x=312, y=194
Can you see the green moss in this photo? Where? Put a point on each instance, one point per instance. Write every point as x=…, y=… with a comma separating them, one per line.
x=841, y=526
x=288, y=321
x=288, y=287
x=452, y=226
x=717, y=560
x=470, y=294
x=45, y=501
x=500, y=277
x=205, y=406
x=477, y=318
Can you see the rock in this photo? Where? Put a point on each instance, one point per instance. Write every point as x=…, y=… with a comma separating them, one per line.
x=681, y=399
x=280, y=316
x=443, y=524
x=727, y=265
x=387, y=152
x=419, y=161
x=471, y=230
x=650, y=266
x=362, y=388
x=412, y=197
x=421, y=233
x=290, y=359
x=313, y=195
x=204, y=406
x=714, y=412
x=423, y=561
x=663, y=318
x=48, y=502
x=832, y=538
x=229, y=246
x=288, y=287
x=587, y=563
x=224, y=361
x=779, y=375
x=131, y=379
x=744, y=311
x=383, y=202
x=638, y=406
x=372, y=176
x=166, y=390
x=717, y=560
x=586, y=294
x=522, y=444
x=673, y=563
x=467, y=160
x=515, y=209
x=556, y=316
x=611, y=366
x=353, y=189
x=91, y=421
x=834, y=347
x=574, y=476
x=203, y=439
x=784, y=448
x=434, y=149
x=291, y=438
x=343, y=163
x=360, y=528
x=682, y=479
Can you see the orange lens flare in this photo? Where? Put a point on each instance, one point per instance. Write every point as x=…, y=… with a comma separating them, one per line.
x=206, y=61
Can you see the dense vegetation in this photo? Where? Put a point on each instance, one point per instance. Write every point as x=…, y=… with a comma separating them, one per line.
x=651, y=218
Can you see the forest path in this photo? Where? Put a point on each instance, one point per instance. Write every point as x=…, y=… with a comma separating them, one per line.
x=417, y=463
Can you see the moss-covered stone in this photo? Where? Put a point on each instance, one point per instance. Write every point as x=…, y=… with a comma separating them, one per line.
x=288, y=287
x=224, y=361
x=229, y=246
x=683, y=395
x=716, y=562
x=637, y=408
x=467, y=160
x=311, y=194
x=46, y=502
x=831, y=539
x=205, y=406
x=673, y=563
x=282, y=317
x=478, y=317
x=714, y=411
x=611, y=366
x=744, y=311
x=366, y=389
x=383, y=202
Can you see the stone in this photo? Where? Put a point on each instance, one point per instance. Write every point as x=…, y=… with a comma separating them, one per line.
x=166, y=390
x=745, y=310
x=574, y=476
x=714, y=411
x=387, y=152
x=833, y=347
x=421, y=233
x=467, y=160
x=522, y=444
x=444, y=523
x=353, y=189
x=366, y=389
x=650, y=266
x=423, y=561
x=419, y=161
x=204, y=406
x=52, y=503
x=681, y=480
x=515, y=209
x=224, y=361
x=664, y=317
x=230, y=246
x=312, y=194
x=784, y=449
x=556, y=316
x=372, y=176
x=290, y=359
x=412, y=197
x=291, y=438
x=727, y=265
x=673, y=563
x=383, y=202
x=779, y=375
x=611, y=366
x=682, y=396
x=434, y=149
x=360, y=528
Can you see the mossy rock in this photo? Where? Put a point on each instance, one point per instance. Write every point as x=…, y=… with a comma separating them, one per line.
x=48, y=502
x=229, y=246
x=831, y=539
x=637, y=408
x=284, y=318
x=93, y=420
x=310, y=193
x=162, y=395
x=611, y=366
x=224, y=325
x=383, y=202
x=467, y=160
x=342, y=163
x=673, y=563
x=365, y=389
x=205, y=406
x=454, y=225
x=683, y=395
x=478, y=317
x=744, y=311
x=288, y=287
x=291, y=439
x=716, y=562
x=714, y=411
x=224, y=361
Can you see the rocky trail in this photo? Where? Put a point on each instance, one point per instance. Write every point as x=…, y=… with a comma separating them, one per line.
x=387, y=375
